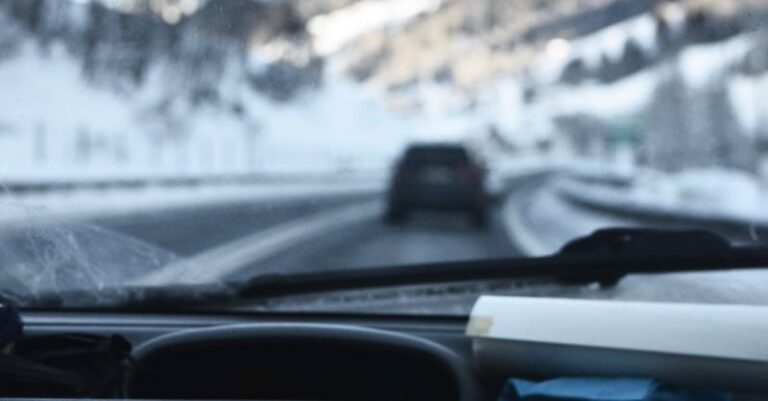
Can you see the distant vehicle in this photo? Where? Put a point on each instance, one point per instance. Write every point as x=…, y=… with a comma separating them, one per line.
x=437, y=177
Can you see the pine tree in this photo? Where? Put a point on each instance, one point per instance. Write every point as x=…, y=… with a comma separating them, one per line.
x=731, y=147
x=92, y=36
x=666, y=142
x=633, y=58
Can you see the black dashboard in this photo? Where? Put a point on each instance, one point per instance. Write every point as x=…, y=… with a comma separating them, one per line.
x=282, y=356
x=271, y=356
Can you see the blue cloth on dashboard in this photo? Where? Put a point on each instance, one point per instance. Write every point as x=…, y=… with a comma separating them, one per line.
x=603, y=389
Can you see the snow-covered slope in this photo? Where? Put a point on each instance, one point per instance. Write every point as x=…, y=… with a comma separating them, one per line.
x=182, y=93
x=66, y=114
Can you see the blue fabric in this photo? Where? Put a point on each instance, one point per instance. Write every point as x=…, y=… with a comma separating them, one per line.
x=603, y=389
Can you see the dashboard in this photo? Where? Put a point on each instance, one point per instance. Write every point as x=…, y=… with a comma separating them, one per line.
x=275, y=356
x=287, y=357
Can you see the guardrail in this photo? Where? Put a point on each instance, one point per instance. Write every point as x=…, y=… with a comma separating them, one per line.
x=41, y=186
x=740, y=229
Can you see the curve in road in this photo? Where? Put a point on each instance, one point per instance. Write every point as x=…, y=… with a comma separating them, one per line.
x=340, y=232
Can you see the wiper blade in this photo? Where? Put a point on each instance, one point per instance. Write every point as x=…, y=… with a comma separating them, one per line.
x=604, y=256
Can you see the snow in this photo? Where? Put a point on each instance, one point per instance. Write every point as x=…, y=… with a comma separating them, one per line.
x=713, y=192
x=541, y=217
x=609, y=41
x=540, y=221
x=702, y=63
x=83, y=204
x=622, y=98
x=630, y=97
x=699, y=65
x=339, y=27
x=512, y=167
x=339, y=125
x=48, y=110
x=39, y=98
x=446, y=112
x=707, y=194
x=746, y=94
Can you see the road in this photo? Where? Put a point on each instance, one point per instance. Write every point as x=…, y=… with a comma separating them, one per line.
x=427, y=237
x=237, y=240
x=340, y=230
x=191, y=230
x=314, y=234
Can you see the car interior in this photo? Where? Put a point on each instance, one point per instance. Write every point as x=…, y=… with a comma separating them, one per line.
x=212, y=200
x=290, y=356
x=269, y=357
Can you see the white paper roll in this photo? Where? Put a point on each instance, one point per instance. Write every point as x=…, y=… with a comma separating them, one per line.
x=693, y=344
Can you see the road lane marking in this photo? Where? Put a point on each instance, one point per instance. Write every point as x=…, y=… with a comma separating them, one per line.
x=219, y=262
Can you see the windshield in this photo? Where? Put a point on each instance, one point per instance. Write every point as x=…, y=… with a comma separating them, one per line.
x=188, y=144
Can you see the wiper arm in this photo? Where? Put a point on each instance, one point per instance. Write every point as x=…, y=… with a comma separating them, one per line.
x=604, y=256
x=639, y=241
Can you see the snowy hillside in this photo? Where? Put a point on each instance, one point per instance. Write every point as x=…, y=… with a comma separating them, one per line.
x=475, y=68
x=198, y=107
x=190, y=87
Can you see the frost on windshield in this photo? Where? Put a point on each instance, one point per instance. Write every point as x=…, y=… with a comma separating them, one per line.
x=45, y=258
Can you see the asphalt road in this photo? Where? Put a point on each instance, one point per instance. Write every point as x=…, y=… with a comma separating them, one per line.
x=189, y=231
x=427, y=237
x=368, y=242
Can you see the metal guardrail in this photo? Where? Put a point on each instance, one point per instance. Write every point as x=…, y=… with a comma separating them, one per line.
x=736, y=229
x=21, y=187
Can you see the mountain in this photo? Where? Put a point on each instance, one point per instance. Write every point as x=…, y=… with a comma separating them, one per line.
x=520, y=68
x=468, y=42
x=223, y=86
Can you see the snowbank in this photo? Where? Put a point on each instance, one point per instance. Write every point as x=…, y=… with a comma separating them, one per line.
x=85, y=204
x=540, y=221
x=705, y=194
x=542, y=216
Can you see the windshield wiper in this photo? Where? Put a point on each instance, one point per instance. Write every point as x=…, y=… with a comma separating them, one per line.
x=637, y=243
x=604, y=257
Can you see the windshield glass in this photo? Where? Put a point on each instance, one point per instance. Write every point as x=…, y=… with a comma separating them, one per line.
x=190, y=145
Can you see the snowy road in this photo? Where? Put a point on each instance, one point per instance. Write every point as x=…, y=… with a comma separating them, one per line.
x=344, y=230
x=306, y=234
x=426, y=238
x=191, y=230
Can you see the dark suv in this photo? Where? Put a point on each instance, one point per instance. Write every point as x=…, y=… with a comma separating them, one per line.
x=437, y=177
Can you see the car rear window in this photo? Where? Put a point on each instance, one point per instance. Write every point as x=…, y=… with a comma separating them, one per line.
x=436, y=156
